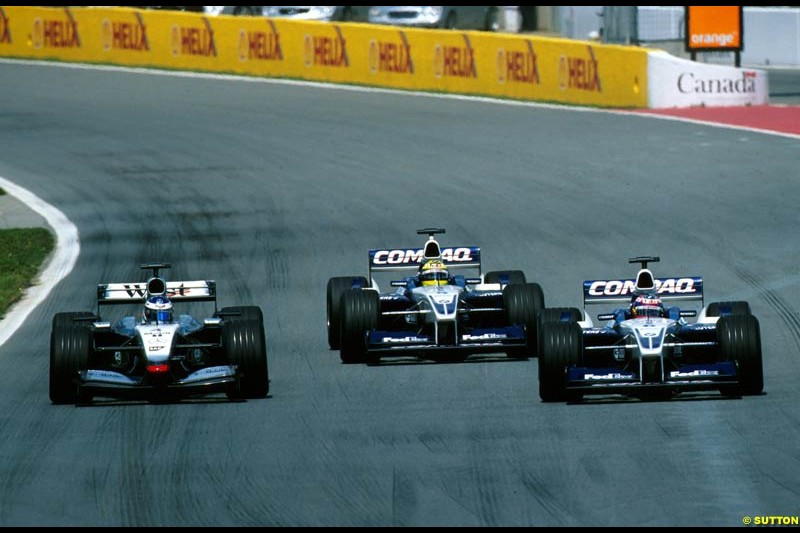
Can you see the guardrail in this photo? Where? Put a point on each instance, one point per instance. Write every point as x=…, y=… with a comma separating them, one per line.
x=475, y=63
x=522, y=67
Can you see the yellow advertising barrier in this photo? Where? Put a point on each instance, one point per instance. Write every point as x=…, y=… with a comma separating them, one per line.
x=475, y=63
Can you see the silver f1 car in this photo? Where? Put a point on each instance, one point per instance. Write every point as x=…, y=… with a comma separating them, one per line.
x=649, y=356
x=457, y=317
x=159, y=360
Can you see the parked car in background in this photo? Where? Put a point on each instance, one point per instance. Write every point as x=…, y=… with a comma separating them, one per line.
x=449, y=17
x=324, y=13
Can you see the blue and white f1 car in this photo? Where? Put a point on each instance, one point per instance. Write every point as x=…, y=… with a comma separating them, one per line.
x=180, y=357
x=649, y=356
x=493, y=312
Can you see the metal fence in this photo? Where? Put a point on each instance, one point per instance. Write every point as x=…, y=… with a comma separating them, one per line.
x=771, y=34
x=639, y=25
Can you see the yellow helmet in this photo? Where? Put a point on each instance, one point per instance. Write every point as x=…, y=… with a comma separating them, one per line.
x=434, y=273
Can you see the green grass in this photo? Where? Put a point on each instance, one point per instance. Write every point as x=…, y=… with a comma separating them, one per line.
x=22, y=254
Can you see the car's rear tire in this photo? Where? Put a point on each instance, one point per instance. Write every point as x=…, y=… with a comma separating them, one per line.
x=523, y=302
x=336, y=287
x=245, y=345
x=70, y=350
x=505, y=277
x=728, y=308
x=562, y=346
x=359, y=314
x=739, y=338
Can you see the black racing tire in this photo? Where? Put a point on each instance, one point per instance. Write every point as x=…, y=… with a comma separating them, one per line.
x=523, y=302
x=74, y=317
x=515, y=277
x=70, y=350
x=730, y=308
x=562, y=347
x=739, y=338
x=245, y=345
x=243, y=312
x=336, y=287
x=558, y=314
x=359, y=314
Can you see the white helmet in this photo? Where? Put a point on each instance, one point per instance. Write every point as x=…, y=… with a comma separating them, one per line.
x=158, y=309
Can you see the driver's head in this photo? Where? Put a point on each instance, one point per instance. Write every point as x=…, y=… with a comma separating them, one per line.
x=158, y=310
x=433, y=274
x=647, y=305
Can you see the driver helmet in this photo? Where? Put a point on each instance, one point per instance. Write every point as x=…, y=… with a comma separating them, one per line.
x=158, y=309
x=433, y=273
x=647, y=305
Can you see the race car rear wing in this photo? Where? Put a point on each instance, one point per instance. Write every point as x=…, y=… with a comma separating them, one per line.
x=622, y=290
x=127, y=293
x=400, y=259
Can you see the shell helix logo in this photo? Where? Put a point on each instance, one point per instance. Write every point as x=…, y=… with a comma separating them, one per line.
x=193, y=41
x=58, y=33
x=326, y=51
x=517, y=66
x=391, y=56
x=119, y=35
x=5, y=28
x=455, y=61
x=582, y=73
x=260, y=45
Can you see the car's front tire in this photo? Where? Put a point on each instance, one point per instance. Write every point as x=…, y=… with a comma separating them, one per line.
x=243, y=312
x=505, y=277
x=359, y=314
x=336, y=287
x=244, y=343
x=70, y=350
x=562, y=346
x=728, y=308
x=739, y=339
x=523, y=302
x=557, y=314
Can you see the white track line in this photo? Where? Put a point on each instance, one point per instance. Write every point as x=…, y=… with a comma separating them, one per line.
x=58, y=266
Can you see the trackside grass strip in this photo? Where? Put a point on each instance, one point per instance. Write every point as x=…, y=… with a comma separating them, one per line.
x=22, y=254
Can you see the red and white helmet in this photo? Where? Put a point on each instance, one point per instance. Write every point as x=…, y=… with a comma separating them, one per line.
x=647, y=305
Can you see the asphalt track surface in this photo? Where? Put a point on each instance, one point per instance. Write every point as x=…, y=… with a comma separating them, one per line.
x=271, y=189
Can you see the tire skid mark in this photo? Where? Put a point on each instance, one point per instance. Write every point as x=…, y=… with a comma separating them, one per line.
x=787, y=314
